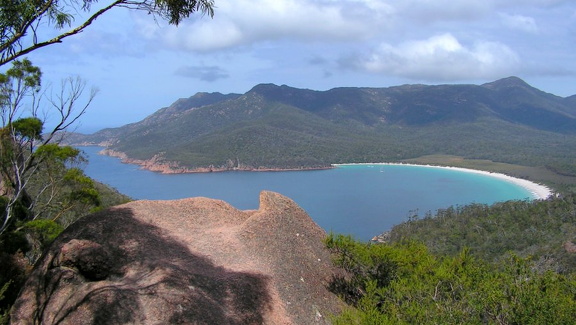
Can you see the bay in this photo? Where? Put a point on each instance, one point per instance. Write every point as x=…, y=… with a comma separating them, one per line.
x=360, y=200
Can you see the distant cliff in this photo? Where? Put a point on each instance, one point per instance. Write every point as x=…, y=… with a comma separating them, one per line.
x=280, y=127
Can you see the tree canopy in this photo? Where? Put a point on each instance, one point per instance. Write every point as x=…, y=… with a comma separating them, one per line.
x=27, y=150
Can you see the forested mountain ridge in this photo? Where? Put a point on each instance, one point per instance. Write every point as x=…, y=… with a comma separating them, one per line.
x=283, y=127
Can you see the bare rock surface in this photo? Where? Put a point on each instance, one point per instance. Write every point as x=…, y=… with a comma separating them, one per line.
x=190, y=261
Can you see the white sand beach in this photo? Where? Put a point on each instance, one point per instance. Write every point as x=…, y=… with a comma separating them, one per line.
x=539, y=192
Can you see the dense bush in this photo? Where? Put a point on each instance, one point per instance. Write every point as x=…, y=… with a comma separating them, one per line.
x=539, y=229
x=403, y=283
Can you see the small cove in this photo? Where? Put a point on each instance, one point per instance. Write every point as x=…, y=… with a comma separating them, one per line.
x=361, y=200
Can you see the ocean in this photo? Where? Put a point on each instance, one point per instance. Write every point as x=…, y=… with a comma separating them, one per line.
x=360, y=200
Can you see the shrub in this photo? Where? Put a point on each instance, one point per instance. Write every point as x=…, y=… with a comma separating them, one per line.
x=403, y=283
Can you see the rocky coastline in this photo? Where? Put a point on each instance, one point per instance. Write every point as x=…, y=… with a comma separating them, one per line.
x=160, y=165
x=156, y=164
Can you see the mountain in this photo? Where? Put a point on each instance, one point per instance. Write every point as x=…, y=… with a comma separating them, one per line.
x=283, y=127
x=570, y=101
x=524, y=104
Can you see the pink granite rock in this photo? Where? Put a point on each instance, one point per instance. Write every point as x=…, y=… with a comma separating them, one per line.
x=190, y=261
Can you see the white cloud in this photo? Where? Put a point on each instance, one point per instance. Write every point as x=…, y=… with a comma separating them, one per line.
x=244, y=22
x=519, y=22
x=441, y=57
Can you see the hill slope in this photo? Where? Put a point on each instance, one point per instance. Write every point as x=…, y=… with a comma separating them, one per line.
x=283, y=127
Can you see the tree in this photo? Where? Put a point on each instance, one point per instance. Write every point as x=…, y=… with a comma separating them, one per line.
x=25, y=148
x=39, y=185
x=41, y=188
x=22, y=20
x=403, y=283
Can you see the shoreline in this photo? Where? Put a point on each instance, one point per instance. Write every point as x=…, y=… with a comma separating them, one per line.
x=157, y=164
x=538, y=191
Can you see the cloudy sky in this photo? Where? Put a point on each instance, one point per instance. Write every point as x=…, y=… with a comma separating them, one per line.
x=140, y=65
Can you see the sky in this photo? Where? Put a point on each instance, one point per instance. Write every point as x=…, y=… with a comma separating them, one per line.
x=139, y=64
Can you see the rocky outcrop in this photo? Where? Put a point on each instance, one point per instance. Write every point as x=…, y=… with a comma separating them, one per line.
x=190, y=261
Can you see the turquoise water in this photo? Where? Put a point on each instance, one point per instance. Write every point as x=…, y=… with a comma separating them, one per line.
x=361, y=200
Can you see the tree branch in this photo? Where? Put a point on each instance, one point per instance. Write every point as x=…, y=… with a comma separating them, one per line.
x=21, y=31
x=57, y=39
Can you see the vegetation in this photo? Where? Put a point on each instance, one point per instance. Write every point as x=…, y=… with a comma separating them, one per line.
x=508, y=263
x=463, y=272
x=541, y=174
x=270, y=126
x=403, y=283
x=28, y=152
x=42, y=188
x=543, y=230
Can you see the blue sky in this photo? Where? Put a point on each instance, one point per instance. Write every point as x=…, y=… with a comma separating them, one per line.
x=140, y=65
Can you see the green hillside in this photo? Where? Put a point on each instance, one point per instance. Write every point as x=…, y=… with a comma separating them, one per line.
x=282, y=127
x=509, y=263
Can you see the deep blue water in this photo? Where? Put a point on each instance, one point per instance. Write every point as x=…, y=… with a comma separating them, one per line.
x=361, y=200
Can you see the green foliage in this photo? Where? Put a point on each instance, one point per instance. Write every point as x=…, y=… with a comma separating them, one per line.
x=39, y=234
x=29, y=128
x=57, y=153
x=22, y=72
x=41, y=193
x=44, y=230
x=540, y=229
x=176, y=10
x=70, y=194
x=77, y=195
x=37, y=178
x=83, y=189
x=43, y=190
x=414, y=286
x=20, y=80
